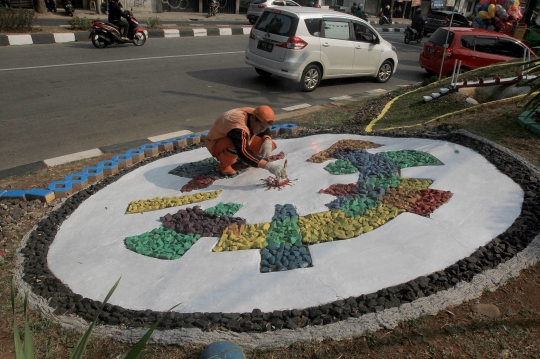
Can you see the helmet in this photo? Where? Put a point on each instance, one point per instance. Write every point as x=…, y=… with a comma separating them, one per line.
x=418, y=11
x=388, y=6
x=310, y=4
x=264, y=113
x=354, y=4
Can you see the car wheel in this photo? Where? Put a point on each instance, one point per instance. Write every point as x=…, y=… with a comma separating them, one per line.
x=252, y=21
x=263, y=73
x=385, y=72
x=407, y=39
x=311, y=77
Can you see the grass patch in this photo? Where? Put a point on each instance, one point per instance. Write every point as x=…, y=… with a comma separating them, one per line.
x=329, y=116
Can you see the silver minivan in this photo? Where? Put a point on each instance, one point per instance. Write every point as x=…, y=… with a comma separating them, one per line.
x=309, y=44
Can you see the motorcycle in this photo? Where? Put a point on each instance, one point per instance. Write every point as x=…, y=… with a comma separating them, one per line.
x=385, y=20
x=104, y=33
x=413, y=34
x=68, y=7
x=213, y=7
x=50, y=5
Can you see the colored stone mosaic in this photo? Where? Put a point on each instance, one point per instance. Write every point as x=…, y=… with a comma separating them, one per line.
x=224, y=209
x=411, y=158
x=161, y=243
x=401, y=197
x=252, y=237
x=347, y=190
x=340, y=167
x=284, y=257
x=414, y=183
x=386, y=181
x=195, y=220
x=282, y=212
x=430, y=200
x=284, y=231
x=358, y=206
x=378, y=196
x=369, y=164
x=326, y=155
x=198, y=182
x=153, y=204
x=336, y=224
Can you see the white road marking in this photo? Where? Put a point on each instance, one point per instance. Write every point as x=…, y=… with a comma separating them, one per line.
x=73, y=157
x=122, y=60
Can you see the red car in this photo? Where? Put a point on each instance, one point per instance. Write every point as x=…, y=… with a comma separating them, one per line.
x=474, y=47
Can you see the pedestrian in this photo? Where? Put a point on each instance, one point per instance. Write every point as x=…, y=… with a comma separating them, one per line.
x=243, y=133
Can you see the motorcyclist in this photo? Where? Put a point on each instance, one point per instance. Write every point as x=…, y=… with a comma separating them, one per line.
x=418, y=21
x=359, y=12
x=115, y=17
x=353, y=8
x=386, y=11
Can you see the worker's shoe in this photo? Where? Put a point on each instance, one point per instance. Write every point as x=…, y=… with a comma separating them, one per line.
x=125, y=38
x=226, y=160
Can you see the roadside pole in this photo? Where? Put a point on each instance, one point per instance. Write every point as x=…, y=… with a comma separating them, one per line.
x=447, y=36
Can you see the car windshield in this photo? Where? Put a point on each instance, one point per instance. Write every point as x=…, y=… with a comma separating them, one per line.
x=439, y=37
x=277, y=23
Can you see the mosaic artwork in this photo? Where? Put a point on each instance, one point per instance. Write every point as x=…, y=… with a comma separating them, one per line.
x=379, y=195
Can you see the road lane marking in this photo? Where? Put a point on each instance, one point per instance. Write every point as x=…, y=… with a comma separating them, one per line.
x=122, y=60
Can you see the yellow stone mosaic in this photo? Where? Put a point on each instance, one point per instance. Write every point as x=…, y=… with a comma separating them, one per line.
x=414, y=183
x=253, y=236
x=334, y=225
x=153, y=204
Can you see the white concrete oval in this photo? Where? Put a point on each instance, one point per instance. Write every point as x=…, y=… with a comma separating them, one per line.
x=88, y=253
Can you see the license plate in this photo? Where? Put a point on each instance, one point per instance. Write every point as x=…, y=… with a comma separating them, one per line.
x=265, y=46
x=431, y=50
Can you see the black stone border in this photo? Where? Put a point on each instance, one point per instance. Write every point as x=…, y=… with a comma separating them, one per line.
x=502, y=248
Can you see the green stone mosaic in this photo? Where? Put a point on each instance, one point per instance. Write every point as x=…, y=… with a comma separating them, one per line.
x=225, y=209
x=411, y=158
x=161, y=243
x=358, y=206
x=341, y=167
x=384, y=181
x=285, y=231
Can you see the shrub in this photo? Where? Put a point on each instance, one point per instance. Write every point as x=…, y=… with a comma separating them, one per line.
x=80, y=23
x=153, y=22
x=16, y=19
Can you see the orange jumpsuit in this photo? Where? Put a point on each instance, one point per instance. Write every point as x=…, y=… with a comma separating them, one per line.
x=230, y=138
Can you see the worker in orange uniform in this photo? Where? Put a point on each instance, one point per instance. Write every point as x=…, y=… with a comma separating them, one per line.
x=243, y=133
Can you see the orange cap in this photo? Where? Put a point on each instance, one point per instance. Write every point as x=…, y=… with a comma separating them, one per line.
x=264, y=113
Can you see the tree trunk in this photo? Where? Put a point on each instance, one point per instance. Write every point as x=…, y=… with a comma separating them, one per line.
x=40, y=6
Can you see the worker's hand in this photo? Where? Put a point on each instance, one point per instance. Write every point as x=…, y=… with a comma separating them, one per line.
x=266, y=148
x=276, y=170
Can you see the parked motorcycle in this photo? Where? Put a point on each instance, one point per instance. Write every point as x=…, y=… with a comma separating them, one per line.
x=213, y=7
x=50, y=5
x=104, y=33
x=413, y=34
x=385, y=20
x=68, y=7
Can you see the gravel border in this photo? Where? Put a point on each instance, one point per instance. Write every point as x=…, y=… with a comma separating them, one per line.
x=487, y=268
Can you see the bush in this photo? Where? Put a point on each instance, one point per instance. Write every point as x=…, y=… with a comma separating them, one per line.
x=80, y=23
x=16, y=19
x=153, y=22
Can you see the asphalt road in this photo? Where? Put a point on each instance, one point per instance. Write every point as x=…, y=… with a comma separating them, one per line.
x=65, y=98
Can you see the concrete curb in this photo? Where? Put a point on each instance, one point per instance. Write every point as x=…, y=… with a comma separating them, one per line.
x=38, y=39
x=48, y=38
